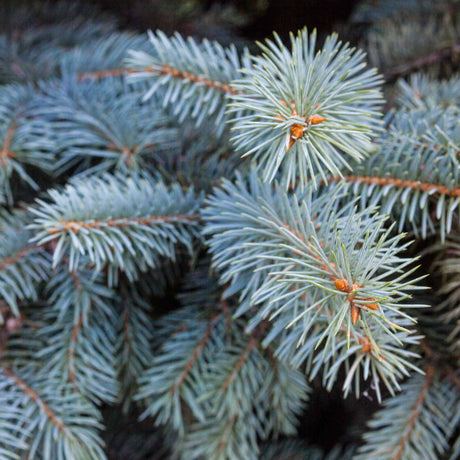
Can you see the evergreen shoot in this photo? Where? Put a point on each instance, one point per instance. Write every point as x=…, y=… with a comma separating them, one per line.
x=196, y=240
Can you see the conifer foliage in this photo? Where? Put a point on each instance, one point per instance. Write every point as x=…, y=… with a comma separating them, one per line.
x=195, y=237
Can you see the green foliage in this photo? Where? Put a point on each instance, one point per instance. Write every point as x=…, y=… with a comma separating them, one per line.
x=82, y=352
x=420, y=432
x=277, y=117
x=413, y=175
x=126, y=222
x=432, y=35
x=45, y=419
x=219, y=391
x=455, y=452
x=428, y=28
x=22, y=266
x=102, y=126
x=100, y=57
x=215, y=385
x=195, y=79
x=134, y=351
x=296, y=450
x=422, y=92
x=37, y=36
x=24, y=139
x=171, y=381
x=446, y=329
x=309, y=110
x=375, y=11
x=76, y=292
x=189, y=239
x=202, y=158
x=315, y=268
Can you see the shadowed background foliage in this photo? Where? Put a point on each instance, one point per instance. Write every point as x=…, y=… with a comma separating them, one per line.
x=217, y=19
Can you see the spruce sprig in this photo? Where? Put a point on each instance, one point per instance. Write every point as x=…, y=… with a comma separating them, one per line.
x=309, y=111
x=420, y=432
x=315, y=271
x=126, y=222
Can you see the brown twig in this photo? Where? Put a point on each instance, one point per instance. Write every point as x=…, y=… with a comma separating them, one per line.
x=163, y=70
x=19, y=255
x=253, y=342
x=6, y=153
x=195, y=355
x=432, y=58
x=73, y=343
x=35, y=397
x=75, y=226
x=399, y=183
